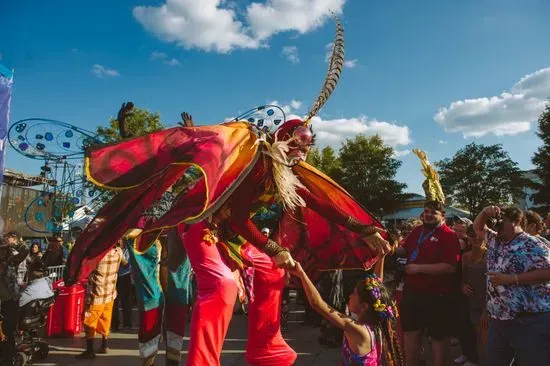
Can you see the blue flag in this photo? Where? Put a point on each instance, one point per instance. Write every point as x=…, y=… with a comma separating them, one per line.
x=6, y=81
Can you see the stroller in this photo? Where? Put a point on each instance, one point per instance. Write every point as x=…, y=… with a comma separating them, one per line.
x=34, y=305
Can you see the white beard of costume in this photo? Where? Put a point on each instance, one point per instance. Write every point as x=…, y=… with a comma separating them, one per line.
x=285, y=180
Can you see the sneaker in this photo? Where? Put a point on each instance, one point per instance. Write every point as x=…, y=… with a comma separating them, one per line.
x=86, y=355
x=460, y=359
x=103, y=351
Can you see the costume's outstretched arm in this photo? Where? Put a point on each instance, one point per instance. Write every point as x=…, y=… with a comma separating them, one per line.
x=332, y=213
x=248, y=230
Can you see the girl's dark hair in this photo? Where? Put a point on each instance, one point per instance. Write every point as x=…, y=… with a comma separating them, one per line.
x=381, y=323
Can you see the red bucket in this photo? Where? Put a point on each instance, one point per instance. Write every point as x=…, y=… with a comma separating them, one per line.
x=65, y=316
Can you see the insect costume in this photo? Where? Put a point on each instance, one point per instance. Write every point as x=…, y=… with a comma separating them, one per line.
x=245, y=164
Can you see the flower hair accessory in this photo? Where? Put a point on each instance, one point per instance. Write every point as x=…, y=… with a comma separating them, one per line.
x=373, y=284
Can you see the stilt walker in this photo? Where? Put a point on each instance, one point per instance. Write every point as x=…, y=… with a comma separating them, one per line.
x=245, y=164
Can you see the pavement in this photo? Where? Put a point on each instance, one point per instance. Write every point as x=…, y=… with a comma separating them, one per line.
x=124, y=352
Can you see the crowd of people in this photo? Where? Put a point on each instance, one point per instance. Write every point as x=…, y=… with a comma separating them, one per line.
x=19, y=264
x=484, y=284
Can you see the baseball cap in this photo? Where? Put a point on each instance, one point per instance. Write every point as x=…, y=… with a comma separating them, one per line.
x=463, y=220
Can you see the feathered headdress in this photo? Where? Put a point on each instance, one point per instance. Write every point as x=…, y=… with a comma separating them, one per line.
x=269, y=118
x=432, y=187
x=334, y=70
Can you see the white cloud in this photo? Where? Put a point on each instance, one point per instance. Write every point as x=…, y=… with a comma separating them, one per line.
x=347, y=63
x=351, y=63
x=295, y=104
x=401, y=153
x=161, y=56
x=276, y=16
x=196, y=24
x=157, y=55
x=291, y=54
x=172, y=62
x=509, y=113
x=101, y=71
x=214, y=25
x=443, y=142
x=287, y=108
x=334, y=132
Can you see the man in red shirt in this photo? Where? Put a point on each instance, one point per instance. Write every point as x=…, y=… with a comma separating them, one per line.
x=433, y=254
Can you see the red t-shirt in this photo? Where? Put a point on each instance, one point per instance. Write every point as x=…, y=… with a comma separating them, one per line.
x=441, y=246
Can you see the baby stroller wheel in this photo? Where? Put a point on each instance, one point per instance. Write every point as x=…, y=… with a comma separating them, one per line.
x=20, y=359
x=43, y=351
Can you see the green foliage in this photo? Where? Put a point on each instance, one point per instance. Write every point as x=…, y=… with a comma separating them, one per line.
x=326, y=161
x=480, y=175
x=314, y=157
x=367, y=169
x=541, y=159
x=140, y=122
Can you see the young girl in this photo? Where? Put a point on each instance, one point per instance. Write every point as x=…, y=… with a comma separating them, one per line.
x=369, y=338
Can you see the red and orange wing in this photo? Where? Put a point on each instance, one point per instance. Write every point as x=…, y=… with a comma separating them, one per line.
x=143, y=168
x=317, y=243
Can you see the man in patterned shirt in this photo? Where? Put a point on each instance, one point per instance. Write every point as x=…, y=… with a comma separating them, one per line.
x=100, y=299
x=518, y=289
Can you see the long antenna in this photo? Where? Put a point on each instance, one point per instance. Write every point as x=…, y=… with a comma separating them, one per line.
x=336, y=65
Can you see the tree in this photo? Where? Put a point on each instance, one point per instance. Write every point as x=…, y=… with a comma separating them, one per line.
x=480, y=175
x=314, y=157
x=326, y=161
x=541, y=159
x=367, y=171
x=138, y=122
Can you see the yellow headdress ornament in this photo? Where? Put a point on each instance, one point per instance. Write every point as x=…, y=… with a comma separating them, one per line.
x=432, y=187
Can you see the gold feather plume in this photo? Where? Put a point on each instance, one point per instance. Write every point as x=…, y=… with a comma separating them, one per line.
x=432, y=187
x=334, y=70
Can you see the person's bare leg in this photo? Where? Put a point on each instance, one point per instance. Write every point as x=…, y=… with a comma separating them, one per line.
x=412, y=347
x=438, y=350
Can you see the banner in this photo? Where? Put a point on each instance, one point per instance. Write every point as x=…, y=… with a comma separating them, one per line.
x=6, y=81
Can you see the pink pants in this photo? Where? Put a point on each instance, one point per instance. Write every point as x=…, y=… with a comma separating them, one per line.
x=217, y=291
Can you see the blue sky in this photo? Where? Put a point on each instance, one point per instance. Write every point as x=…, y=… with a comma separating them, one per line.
x=485, y=62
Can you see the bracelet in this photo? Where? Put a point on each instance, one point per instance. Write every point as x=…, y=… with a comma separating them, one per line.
x=516, y=279
x=357, y=227
x=271, y=248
